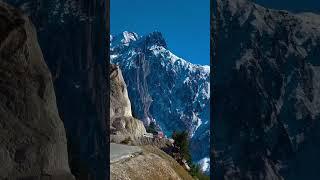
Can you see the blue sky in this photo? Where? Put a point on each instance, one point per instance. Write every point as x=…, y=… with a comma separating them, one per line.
x=184, y=24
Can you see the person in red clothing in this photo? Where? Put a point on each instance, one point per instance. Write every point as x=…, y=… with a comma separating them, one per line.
x=160, y=134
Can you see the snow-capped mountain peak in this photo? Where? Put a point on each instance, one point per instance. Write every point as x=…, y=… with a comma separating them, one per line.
x=155, y=38
x=129, y=36
x=165, y=88
x=123, y=39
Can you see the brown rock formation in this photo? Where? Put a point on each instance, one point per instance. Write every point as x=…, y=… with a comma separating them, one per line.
x=32, y=136
x=122, y=124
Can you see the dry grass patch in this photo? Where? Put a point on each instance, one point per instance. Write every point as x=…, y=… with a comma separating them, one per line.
x=173, y=163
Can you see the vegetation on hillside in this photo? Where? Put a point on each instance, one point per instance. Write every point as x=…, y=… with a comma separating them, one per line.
x=152, y=128
x=195, y=171
x=181, y=142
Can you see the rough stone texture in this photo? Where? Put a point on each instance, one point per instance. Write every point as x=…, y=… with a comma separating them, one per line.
x=266, y=93
x=72, y=35
x=151, y=164
x=120, y=104
x=33, y=142
x=139, y=168
x=161, y=143
x=80, y=83
x=122, y=124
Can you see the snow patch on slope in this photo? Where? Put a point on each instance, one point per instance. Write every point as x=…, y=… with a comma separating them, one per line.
x=205, y=164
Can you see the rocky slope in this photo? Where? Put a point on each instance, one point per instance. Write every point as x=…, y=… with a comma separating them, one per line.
x=165, y=88
x=152, y=163
x=72, y=36
x=33, y=142
x=122, y=124
x=266, y=93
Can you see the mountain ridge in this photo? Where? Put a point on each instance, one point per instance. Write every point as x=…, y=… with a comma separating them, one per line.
x=164, y=88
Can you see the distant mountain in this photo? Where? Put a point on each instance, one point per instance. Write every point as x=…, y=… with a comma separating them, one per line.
x=266, y=93
x=164, y=88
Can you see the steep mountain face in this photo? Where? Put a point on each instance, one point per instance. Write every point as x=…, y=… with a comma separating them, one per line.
x=72, y=36
x=164, y=88
x=33, y=142
x=266, y=93
x=122, y=124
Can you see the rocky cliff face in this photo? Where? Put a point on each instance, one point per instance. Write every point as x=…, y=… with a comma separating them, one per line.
x=122, y=124
x=119, y=101
x=266, y=93
x=165, y=88
x=72, y=35
x=33, y=142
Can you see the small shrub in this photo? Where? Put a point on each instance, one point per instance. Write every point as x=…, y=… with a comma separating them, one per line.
x=195, y=171
x=181, y=140
x=152, y=128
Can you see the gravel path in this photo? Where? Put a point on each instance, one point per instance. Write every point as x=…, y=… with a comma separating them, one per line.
x=119, y=152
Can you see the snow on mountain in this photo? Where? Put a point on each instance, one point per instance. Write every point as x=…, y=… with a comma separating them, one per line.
x=205, y=164
x=164, y=87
